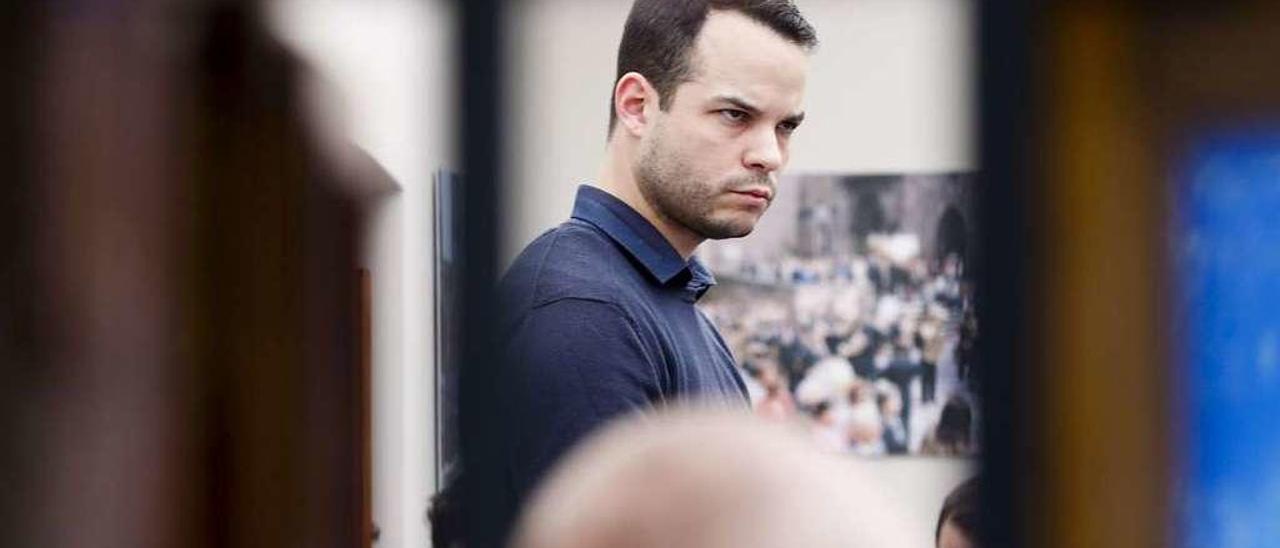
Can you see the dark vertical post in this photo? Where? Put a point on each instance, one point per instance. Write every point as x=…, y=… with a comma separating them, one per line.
x=481, y=71
x=1005, y=192
x=20, y=348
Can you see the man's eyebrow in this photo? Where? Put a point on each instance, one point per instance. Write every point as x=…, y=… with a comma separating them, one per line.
x=753, y=110
x=738, y=102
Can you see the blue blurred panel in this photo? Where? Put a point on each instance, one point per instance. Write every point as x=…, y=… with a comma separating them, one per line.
x=1228, y=253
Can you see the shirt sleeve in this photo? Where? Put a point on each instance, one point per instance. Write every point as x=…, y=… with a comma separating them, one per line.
x=573, y=365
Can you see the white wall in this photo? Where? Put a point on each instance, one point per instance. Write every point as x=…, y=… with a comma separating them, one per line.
x=890, y=91
x=919, y=485
x=386, y=66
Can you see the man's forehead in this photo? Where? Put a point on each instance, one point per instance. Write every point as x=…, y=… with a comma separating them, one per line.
x=735, y=55
x=726, y=33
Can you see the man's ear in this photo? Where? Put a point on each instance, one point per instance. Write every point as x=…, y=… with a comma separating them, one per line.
x=634, y=100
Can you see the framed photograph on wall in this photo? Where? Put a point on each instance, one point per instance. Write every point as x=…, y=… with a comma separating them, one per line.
x=850, y=308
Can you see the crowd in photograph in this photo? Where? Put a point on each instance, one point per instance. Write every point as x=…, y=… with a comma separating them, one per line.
x=872, y=350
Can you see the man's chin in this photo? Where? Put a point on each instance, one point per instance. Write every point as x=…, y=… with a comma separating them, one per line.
x=726, y=232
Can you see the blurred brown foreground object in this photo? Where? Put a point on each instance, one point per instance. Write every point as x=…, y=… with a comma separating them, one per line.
x=709, y=479
x=187, y=370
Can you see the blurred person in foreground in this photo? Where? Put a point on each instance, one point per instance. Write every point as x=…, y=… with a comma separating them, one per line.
x=958, y=520
x=709, y=479
x=599, y=318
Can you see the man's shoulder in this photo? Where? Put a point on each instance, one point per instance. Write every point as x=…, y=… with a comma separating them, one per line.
x=573, y=260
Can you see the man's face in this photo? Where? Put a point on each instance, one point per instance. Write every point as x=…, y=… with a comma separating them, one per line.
x=710, y=162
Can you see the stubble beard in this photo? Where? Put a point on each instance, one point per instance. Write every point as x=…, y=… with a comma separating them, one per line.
x=676, y=195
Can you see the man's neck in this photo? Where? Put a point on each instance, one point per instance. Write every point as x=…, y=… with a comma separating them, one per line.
x=617, y=178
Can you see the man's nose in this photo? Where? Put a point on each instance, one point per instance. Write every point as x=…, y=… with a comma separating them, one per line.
x=765, y=152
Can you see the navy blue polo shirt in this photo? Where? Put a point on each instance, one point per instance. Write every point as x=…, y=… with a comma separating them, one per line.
x=599, y=321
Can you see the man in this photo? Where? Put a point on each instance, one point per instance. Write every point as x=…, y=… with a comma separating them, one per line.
x=599, y=318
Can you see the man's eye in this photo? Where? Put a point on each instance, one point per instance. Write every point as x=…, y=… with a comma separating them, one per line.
x=733, y=115
x=788, y=127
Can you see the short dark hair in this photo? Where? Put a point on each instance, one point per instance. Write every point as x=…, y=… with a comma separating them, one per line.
x=961, y=509
x=955, y=423
x=659, y=35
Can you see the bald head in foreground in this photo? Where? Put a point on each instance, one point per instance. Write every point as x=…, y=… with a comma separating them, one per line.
x=708, y=479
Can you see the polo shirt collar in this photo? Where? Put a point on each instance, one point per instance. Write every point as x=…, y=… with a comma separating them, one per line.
x=638, y=237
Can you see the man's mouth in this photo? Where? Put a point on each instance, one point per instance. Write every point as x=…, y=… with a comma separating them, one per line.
x=763, y=193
